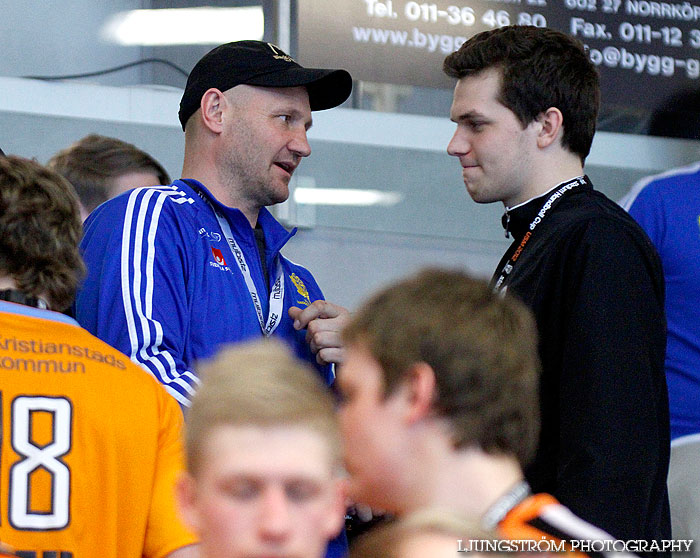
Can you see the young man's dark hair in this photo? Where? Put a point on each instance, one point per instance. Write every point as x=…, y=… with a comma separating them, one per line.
x=93, y=163
x=541, y=68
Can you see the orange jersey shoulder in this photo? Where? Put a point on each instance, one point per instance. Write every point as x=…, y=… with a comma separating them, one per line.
x=91, y=446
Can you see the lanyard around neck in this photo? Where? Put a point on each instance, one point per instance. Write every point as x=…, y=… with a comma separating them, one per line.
x=498, y=511
x=18, y=297
x=276, y=294
x=551, y=202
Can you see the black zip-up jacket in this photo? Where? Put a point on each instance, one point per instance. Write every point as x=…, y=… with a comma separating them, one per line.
x=595, y=284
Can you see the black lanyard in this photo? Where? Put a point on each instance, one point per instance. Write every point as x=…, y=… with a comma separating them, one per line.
x=549, y=204
x=18, y=297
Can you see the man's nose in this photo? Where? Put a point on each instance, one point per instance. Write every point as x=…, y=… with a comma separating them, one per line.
x=275, y=519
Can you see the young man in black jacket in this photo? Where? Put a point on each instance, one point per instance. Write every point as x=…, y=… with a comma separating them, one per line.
x=525, y=105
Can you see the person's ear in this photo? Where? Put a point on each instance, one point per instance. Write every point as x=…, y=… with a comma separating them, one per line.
x=550, y=127
x=421, y=391
x=212, y=108
x=186, y=496
x=335, y=518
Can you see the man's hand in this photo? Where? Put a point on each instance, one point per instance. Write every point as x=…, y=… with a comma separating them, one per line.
x=324, y=322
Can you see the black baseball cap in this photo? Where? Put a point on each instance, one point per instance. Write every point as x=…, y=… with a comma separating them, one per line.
x=264, y=64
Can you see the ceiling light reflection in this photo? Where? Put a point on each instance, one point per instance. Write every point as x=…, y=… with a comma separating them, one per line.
x=180, y=26
x=345, y=196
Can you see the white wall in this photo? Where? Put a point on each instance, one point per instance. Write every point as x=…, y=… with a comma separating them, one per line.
x=58, y=37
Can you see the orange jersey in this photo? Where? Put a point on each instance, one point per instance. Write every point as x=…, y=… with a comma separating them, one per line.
x=91, y=445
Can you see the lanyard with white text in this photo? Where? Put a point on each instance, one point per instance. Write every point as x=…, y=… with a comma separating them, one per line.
x=277, y=292
x=498, y=511
x=510, y=264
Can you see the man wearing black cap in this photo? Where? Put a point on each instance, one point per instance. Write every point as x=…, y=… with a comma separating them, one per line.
x=176, y=271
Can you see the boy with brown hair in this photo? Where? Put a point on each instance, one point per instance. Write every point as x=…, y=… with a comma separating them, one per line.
x=440, y=407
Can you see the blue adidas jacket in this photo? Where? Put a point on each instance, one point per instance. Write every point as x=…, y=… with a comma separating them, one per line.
x=163, y=287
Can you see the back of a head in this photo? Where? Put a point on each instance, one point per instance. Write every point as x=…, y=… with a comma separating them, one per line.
x=93, y=162
x=541, y=68
x=482, y=348
x=259, y=384
x=40, y=229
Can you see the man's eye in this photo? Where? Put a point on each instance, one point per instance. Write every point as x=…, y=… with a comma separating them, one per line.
x=302, y=491
x=241, y=490
x=285, y=117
